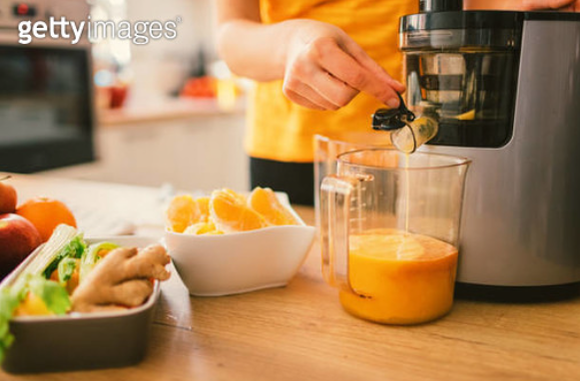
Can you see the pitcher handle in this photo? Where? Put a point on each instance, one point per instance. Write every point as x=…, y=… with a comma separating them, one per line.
x=335, y=201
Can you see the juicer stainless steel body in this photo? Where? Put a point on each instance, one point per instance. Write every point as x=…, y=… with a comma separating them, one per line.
x=521, y=215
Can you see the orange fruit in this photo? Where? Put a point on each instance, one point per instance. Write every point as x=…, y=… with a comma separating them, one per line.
x=46, y=214
x=201, y=228
x=265, y=202
x=214, y=232
x=229, y=212
x=238, y=197
x=203, y=206
x=182, y=212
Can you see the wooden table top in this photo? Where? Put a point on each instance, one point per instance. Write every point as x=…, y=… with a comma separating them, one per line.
x=300, y=332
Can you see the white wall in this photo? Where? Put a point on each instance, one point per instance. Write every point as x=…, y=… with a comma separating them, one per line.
x=160, y=67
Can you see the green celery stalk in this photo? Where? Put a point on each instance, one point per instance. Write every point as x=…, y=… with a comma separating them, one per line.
x=13, y=290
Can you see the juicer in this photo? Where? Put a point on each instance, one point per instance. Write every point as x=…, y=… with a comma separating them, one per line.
x=504, y=89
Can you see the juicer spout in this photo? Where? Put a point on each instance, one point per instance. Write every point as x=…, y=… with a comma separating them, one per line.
x=385, y=119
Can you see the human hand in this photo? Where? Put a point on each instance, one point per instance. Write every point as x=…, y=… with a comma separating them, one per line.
x=562, y=5
x=325, y=69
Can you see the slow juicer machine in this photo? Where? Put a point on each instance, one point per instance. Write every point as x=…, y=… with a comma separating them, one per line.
x=504, y=88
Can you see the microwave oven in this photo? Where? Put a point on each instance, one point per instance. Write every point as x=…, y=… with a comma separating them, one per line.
x=46, y=91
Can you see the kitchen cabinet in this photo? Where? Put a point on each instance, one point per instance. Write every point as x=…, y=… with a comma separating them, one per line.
x=196, y=152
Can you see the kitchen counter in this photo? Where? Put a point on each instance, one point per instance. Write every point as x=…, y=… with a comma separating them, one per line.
x=300, y=332
x=166, y=109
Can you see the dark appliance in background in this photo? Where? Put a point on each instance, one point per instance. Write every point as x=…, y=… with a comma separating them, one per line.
x=46, y=91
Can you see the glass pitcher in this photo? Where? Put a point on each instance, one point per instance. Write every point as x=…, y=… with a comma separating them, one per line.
x=327, y=149
x=390, y=228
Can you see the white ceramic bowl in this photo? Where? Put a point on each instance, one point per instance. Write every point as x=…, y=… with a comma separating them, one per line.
x=214, y=265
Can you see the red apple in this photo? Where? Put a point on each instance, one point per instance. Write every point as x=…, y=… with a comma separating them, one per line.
x=7, y=196
x=18, y=238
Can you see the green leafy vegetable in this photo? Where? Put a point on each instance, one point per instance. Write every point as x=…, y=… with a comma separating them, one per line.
x=9, y=300
x=52, y=294
x=12, y=294
x=66, y=268
x=62, y=235
x=73, y=249
x=65, y=250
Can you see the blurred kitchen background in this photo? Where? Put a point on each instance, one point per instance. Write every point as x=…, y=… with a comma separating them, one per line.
x=168, y=112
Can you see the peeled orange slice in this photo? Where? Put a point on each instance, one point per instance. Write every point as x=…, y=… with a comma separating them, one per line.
x=203, y=207
x=182, y=212
x=201, y=228
x=265, y=202
x=229, y=212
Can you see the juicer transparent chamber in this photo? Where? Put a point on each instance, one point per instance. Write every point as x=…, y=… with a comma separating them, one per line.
x=465, y=80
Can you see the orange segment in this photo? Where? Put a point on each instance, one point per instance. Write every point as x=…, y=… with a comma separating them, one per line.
x=200, y=228
x=182, y=212
x=229, y=212
x=265, y=202
x=203, y=206
x=239, y=197
x=214, y=232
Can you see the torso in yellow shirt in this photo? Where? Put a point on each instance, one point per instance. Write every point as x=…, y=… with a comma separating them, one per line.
x=282, y=130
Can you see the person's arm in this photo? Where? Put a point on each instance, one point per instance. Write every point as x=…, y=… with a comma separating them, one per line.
x=322, y=67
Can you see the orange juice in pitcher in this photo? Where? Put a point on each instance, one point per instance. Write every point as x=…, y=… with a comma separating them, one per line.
x=399, y=278
x=390, y=228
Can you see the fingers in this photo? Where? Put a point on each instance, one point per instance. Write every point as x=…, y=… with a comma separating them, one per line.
x=332, y=70
x=332, y=89
x=374, y=68
x=296, y=87
x=309, y=85
x=358, y=70
x=301, y=100
x=322, y=94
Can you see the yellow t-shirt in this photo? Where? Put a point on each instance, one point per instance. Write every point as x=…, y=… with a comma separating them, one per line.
x=282, y=130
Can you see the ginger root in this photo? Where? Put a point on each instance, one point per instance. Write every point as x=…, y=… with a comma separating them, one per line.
x=122, y=279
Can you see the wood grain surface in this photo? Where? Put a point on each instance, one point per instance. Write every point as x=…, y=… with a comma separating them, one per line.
x=300, y=332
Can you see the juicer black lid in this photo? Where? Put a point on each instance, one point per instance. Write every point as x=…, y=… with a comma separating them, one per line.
x=462, y=20
x=478, y=19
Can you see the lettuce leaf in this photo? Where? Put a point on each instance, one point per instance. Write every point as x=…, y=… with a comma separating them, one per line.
x=52, y=294
x=64, y=242
x=9, y=300
x=73, y=249
x=66, y=268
